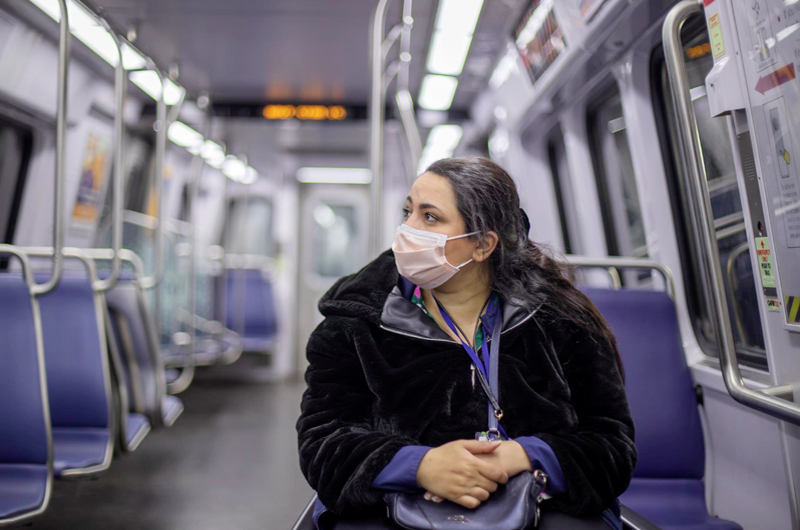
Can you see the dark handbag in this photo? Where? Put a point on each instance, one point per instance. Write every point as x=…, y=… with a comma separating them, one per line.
x=514, y=506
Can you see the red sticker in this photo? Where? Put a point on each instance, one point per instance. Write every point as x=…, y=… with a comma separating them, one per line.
x=707, y=3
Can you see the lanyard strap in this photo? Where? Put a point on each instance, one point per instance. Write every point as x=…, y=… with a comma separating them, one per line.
x=487, y=375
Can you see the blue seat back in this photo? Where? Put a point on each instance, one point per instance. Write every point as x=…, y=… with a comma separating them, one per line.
x=75, y=354
x=260, y=319
x=23, y=427
x=663, y=402
x=138, y=345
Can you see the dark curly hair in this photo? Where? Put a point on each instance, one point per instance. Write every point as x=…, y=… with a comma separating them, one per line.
x=487, y=198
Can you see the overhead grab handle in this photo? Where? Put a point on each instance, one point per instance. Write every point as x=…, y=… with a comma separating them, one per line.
x=64, y=37
x=120, y=80
x=775, y=401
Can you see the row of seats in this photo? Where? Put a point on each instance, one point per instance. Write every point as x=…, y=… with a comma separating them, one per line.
x=82, y=373
x=667, y=490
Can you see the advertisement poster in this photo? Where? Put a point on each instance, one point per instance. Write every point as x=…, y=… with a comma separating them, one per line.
x=90, y=189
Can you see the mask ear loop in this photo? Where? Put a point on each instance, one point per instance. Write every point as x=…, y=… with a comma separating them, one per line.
x=459, y=237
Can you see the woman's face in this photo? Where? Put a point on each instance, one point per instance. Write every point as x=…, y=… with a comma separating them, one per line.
x=431, y=206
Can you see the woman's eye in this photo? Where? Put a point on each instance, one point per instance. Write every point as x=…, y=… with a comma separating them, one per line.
x=430, y=217
x=406, y=213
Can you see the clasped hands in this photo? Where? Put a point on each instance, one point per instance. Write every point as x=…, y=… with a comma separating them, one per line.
x=467, y=472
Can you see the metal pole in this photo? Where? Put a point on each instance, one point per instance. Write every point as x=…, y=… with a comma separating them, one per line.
x=376, y=117
x=61, y=145
x=762, y=400
x=120, y=80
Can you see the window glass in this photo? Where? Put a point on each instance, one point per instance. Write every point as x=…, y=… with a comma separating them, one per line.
x=249, y=228
x=557, y=157
x=335, y=230
x=726, y=205
x=15, y=148
x=616, y=182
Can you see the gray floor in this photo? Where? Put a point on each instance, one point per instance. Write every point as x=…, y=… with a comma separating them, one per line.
x=229, y=462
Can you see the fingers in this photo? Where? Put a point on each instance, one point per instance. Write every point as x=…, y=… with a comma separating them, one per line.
x=476, y=448
x=468, y=501
x=485, y=484
x=492, y=472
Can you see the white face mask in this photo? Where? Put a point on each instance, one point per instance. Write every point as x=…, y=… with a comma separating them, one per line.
x=420, y=257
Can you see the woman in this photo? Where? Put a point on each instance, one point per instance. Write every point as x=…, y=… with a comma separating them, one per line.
x=392, y=403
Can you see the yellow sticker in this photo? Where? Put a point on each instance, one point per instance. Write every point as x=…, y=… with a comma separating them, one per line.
x=715, y=32
x=765, y=263
x=773, y=305
x=792, y=309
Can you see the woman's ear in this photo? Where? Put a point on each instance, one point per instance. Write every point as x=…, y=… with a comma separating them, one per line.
x=486, y=245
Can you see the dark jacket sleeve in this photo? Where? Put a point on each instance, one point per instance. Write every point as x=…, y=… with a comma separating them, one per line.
x=341, y=452
x=598, y=455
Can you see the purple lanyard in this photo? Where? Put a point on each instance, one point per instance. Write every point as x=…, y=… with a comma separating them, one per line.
x=482, y=365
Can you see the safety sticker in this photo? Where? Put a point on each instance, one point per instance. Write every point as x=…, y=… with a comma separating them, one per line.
x=773, y=305
x=792, y=304
x=715, y=32
x=765, y=263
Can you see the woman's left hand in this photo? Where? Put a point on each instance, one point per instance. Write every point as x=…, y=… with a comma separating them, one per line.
x=510, y=457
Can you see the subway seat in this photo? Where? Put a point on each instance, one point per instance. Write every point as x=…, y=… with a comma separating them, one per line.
x=24, y=462
x=78, y=380
x=136, y=333
x=667, y=486
x=257, y=313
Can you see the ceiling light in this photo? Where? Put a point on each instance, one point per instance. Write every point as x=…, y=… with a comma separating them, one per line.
x=148, y=81
x=334, y=175
x=458, y=16
x=437, y=92
x=234, y=169
x=250, y=176
x=448, y=53
x=445, y=137
x=181, y=134
x=132, y=59
x=173, y=92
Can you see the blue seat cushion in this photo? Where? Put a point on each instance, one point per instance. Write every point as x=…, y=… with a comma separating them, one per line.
x=171, y=408
x=136, y=429
x=673, y=504
x=22, y=488
x=78, y=448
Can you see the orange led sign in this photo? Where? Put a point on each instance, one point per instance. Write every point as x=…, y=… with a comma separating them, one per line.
x=305, y=112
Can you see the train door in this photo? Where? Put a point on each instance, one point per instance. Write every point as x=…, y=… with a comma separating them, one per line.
x=741, y=126
x=334, y=242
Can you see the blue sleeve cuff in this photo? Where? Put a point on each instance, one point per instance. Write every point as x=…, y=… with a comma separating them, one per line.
x=542, y=457
x=401, y=473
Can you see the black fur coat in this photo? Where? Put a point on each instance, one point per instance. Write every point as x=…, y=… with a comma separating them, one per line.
x=382, y=375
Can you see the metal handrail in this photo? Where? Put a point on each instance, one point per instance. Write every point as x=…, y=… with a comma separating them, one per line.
x=120, y=81
x=64, y=37
x=153, y=281
x=769, y=400
x=376, y=117
x=613, y=262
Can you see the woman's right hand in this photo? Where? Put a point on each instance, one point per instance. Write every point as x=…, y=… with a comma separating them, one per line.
x=453, y=472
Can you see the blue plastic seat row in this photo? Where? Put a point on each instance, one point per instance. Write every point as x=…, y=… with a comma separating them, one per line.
x=667, y=487
x=26, y=453
x=250, y=309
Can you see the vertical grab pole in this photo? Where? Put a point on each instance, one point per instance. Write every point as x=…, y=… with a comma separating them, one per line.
x=403, y=99
x=120, y=80
x=777, y=401
x=61, y=145
x=376, y=116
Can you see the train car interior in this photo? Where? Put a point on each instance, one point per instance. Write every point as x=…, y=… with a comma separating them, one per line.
x=180, y=183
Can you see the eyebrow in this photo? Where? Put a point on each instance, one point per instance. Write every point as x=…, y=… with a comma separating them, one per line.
x=425, y=205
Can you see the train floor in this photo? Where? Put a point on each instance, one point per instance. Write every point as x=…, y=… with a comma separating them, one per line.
x=229, y=462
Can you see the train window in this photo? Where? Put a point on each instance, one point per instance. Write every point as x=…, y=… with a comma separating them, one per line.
x=249, y=227
x=16, y=143
x=616, y=181
x=726, y=204
x=334, y=229
x=557, y=157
